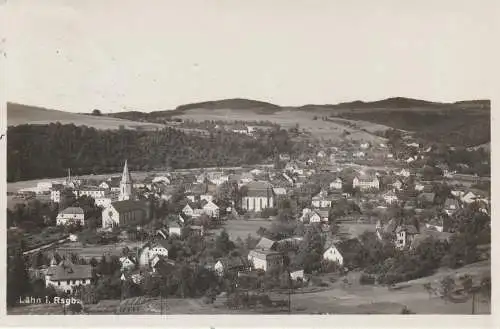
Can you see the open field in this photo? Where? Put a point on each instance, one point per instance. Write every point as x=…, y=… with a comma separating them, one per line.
x=241, y=228
x=21, y=114
x=355, y=298
x=95, y=251
x=353, y=230
x=288, y=119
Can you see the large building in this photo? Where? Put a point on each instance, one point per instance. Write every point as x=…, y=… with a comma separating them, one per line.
x=258, y=196
x=365, y=182
x=122, y=213
x=265, y=259
x=65, y=276
x=71, y=215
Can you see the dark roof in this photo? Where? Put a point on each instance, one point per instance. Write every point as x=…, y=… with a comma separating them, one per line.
x=232, y=262
x=128, y=205
x=427, y=196
x=69, y=271
x=259, y=189
x=265, y=244
x=72, y=210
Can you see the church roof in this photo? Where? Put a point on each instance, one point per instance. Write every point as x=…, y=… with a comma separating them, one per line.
x=128, y=205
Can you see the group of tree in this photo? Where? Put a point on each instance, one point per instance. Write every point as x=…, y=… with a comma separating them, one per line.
x=36, y=151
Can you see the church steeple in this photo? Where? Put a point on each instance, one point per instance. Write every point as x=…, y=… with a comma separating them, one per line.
x=126, y=185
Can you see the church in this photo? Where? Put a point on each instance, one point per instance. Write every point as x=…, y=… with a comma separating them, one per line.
x=127, y=210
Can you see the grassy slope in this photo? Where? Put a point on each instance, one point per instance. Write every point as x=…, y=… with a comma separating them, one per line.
x=18, y=114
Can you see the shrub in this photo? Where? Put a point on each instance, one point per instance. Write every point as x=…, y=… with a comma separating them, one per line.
x=366, y=279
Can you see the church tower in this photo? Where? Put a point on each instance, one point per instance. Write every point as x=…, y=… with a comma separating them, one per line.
x=126, y=186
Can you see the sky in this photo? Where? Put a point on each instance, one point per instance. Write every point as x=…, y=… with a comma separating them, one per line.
x=77, y=56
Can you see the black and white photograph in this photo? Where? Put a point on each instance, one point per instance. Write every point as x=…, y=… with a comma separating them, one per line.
x=248, y=158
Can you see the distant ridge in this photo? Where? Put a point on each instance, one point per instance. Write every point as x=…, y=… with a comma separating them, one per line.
x=232, y=103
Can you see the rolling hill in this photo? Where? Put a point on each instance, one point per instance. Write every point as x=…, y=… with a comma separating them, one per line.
x=18, y=114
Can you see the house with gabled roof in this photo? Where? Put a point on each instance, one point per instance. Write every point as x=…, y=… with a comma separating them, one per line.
x=366, y=182
x=265, y=244
x=451, y=206
x=231, y=264
x=66, y=276
x=405, y=235
x=71, y=215
x=336, y=184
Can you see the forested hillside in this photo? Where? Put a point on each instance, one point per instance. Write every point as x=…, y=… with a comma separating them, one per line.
x=39, y=151
x=455, y=127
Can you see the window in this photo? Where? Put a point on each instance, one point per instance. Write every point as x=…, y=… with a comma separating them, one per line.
x=67, y=282
x=58, y=283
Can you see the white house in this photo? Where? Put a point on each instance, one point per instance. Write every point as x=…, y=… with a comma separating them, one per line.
x=366, y=182
x=336, y=184
x=211, y=209
x=174, y=229
x=390, y=156
x=470, y=197
x=66, y=276
x=159, y=248
x=404, y=173
x=333, y=254
x=265, y=259
x=42, y=187
x=103, y=202
x=457, y=193
x=148, y=253
x=359, y=154
x=297, y=275
x=405, y=235
x=451, y=206
x=71, y=215
x=390, y=197
x=310, y=216
x=127, y=264
x=321, y=200
x=187, y=210
x=90, y=191
x=419, y=187
x=397, y=184
x=364, y=145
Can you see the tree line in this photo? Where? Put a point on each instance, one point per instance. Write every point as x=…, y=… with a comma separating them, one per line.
x=40, y=151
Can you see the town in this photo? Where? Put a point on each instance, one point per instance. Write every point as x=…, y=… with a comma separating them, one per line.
x=283, y=236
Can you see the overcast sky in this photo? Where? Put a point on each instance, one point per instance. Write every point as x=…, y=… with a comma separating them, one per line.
x=147, y=55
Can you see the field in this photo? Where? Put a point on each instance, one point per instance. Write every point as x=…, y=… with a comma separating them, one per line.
x=20, y=114
x=353, y=230
x=95, y=251
x=288, y=119
x=241, y=228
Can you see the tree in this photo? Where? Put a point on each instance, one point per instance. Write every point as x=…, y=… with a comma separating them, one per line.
x=96, y=112
x=17, y=278
x=447, y=287
x=223, y=244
